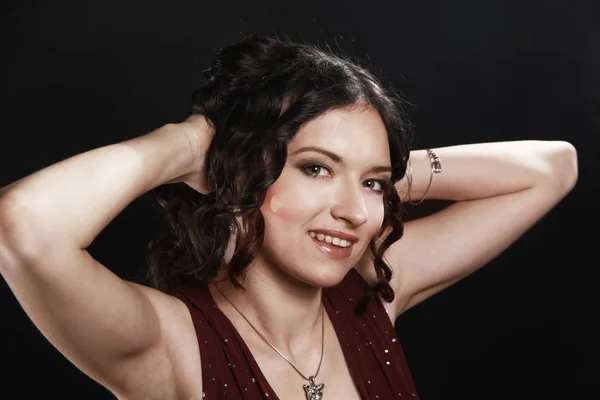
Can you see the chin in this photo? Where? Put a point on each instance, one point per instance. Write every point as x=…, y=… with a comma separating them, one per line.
x=324, y=279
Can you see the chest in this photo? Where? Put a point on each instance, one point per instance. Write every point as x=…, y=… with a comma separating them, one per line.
x=362, y=358
x=348, y=369
x=334, y=374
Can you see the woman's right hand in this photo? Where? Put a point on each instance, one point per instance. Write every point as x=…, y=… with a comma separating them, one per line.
x=200, y=133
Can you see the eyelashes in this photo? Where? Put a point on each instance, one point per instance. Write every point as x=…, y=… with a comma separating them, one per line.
x=306, y=169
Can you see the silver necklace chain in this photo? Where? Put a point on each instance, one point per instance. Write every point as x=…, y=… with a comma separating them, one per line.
x=312, y=378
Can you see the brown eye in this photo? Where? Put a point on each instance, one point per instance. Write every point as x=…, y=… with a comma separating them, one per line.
x=313, y=169
x=382, y=184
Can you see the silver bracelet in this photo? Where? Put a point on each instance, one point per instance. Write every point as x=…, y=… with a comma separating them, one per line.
x=436, y=167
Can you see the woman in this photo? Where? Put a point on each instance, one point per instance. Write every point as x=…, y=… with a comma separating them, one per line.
x=284, y=270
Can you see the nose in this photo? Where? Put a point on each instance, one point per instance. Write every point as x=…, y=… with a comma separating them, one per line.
x=350, y=204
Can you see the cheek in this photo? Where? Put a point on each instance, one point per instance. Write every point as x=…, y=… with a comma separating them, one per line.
x=285, y=204
x=376, y=216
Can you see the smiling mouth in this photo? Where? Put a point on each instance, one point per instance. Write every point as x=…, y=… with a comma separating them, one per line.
x=331, y=250
x=331, y=240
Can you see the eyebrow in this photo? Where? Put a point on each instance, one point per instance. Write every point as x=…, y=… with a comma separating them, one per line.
x=338, y=159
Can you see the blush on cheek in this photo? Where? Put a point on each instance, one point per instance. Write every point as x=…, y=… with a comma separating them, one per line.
x=282, y=208
x=275, y=204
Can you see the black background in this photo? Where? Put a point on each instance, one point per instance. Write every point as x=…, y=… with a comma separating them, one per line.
x=78, y=75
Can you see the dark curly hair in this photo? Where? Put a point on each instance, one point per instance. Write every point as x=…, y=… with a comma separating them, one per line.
x=257, y=94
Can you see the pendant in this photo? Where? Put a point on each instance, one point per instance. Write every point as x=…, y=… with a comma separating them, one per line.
x=313, y=390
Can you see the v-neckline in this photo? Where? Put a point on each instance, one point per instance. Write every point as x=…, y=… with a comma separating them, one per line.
x=349, y=357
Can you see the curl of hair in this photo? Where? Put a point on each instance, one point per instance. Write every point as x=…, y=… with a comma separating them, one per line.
x=257, y=94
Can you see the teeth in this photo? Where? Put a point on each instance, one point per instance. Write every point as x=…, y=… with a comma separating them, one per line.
x=329, y=239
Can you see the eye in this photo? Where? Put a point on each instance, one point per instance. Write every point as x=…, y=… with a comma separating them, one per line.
x=313, y=170
x=382, y=184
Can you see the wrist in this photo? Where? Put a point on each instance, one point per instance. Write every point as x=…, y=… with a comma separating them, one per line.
x=172, y=149
x=199, y=134
x=410, y=186
x=421, y=167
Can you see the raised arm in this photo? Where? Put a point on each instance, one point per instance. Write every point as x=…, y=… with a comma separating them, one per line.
x=501, y=189
x=101, y=323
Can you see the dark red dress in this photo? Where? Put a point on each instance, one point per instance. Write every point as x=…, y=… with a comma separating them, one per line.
x=369, y=342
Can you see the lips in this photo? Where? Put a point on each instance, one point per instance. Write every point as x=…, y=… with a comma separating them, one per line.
x=331, y=250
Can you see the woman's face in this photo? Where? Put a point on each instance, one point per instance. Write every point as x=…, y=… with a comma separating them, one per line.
x=341, y=191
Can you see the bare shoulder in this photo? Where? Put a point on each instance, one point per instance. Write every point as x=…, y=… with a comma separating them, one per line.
x=171, y=369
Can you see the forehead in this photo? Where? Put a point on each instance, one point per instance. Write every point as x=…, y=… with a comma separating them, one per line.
x=349, y=132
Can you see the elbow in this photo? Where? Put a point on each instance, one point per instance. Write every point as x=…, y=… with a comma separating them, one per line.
x=7, y=233
x=17, y=243
x=562, y=166
x=9, y=204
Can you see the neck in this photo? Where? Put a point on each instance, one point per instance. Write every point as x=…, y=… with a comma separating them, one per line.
x=285, y=311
